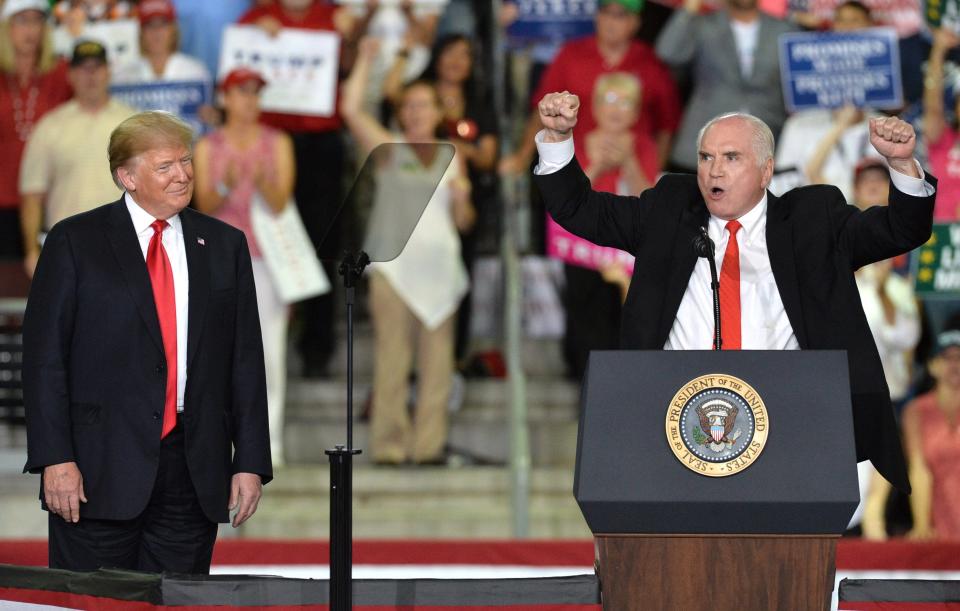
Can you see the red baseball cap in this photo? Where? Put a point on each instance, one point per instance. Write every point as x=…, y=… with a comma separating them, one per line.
x=149, y=9
x=239, y=76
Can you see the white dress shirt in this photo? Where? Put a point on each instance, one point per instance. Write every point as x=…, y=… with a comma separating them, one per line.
x=760, y=304
x=177, y=253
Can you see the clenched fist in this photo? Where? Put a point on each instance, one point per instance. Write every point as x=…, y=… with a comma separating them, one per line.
x=896, y=140
x=558, y=113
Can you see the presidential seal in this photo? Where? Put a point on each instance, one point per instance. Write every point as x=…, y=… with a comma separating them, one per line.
x=717, y=425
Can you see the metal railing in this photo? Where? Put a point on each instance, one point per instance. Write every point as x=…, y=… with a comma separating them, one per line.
x=514, y=195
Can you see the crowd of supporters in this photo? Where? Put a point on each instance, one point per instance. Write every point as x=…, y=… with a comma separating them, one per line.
x=648, y=77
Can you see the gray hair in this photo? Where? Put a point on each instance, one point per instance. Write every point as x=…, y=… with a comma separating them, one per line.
x=762, y=139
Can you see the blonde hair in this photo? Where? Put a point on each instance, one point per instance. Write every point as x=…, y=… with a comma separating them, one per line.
x=46, y=60
x=142, y=132
x=622, y=81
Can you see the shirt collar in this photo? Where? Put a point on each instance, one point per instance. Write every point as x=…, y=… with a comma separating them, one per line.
x=751, y=223
x=143, y=219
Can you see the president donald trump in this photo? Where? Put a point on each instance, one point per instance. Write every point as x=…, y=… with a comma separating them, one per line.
x=143, y=374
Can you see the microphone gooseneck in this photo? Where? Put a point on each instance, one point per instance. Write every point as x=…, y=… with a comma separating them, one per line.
x=704, y=247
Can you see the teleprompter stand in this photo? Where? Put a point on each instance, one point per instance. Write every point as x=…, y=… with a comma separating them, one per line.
x=402, y=180
x=341, y=463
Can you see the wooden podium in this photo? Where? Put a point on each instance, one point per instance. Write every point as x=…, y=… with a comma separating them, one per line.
x=670, y=538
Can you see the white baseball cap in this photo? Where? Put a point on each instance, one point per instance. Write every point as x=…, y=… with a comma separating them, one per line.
x=12, y=7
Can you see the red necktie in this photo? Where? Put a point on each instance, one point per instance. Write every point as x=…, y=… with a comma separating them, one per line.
x=161, y=278
x=730, y=290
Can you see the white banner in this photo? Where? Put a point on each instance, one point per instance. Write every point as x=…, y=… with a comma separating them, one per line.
x=288, y=252
x=300, y=66
x=121, y=39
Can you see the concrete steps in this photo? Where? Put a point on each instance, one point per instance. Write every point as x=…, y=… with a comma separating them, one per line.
x=422, y=502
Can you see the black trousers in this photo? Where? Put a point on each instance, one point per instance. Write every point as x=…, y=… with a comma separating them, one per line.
x=593, y=311
x=319, y=195
x=11, y=238
x=171, y=535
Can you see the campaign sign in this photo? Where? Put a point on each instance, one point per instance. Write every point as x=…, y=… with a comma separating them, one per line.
x=563, y=245
x=120, y=37
x=829, y=69
x=182, y=98
x=552, y=19
x=300, y=66
x=937, y=263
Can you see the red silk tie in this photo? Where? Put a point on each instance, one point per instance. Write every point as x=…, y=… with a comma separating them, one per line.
x=161, y=278
x=730, y=290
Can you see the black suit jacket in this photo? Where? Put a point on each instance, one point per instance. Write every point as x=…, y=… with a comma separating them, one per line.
x=94, y=371
x=815, y=242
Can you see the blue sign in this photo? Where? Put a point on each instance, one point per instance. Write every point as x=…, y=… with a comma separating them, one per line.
x=552, y=20
x=182, y=98
x=830, y=69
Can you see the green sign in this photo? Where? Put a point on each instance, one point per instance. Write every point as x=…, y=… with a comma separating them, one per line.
x=942, y=13
x=937, y=264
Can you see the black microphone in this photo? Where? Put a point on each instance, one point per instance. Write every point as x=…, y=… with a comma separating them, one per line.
x=704, y=247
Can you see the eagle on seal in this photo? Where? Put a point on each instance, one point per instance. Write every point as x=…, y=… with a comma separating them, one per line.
x=717, y=418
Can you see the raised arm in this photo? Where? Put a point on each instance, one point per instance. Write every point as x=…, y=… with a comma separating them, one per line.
x=364, y=127
x=677, y=42
x=602, y=218
x=882, y=232
x=934, y=117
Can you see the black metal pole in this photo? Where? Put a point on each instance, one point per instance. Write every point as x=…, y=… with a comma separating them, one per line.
x=341, y=465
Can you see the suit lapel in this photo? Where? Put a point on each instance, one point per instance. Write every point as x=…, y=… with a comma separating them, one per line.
x=692, y=216
x=123, y=239
x=198, y=266
x=728, y=48
x=780, y=251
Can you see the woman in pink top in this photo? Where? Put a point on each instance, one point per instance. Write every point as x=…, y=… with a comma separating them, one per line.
x=931, y=427
x=943, y=146
x=231, y=165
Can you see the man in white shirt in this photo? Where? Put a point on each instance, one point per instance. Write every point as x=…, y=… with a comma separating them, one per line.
x=143, y=373
x=793, y=257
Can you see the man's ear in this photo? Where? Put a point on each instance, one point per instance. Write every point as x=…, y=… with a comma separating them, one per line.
x=767, y=172
x=126, y=178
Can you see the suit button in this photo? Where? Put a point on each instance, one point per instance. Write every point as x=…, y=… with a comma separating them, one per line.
x=156, y=415
x=160, y=368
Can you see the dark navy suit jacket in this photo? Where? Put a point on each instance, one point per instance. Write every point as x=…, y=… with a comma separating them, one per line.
x=94, y=371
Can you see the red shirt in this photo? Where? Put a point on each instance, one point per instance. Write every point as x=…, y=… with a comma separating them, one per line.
x=579, y=63
x=20, y=109
x=318, y=17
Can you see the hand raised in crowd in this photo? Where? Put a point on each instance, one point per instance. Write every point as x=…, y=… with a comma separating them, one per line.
x=558, y=114
x=896, y=140
x=945, y=38
x=848, y=116
x=63, y=490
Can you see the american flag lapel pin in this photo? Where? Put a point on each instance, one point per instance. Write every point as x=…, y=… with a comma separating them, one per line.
x=201, y=242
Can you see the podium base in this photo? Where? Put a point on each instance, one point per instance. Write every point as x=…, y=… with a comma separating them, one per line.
x=669, y=572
